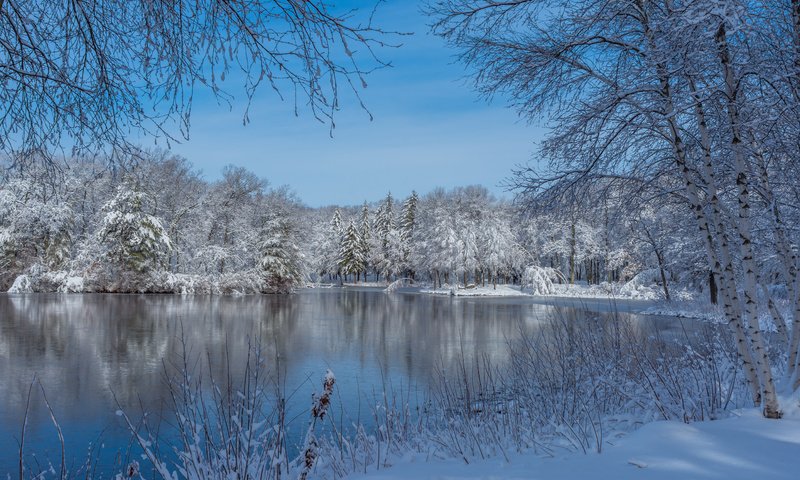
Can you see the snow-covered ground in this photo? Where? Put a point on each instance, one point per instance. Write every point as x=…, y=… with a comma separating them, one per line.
x=631, y=290
x=367, y=284
x=745, y=446
x=487, y=291
x=555, y=290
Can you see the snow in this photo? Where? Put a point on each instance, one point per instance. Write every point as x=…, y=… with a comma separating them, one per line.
x=741, y=447
x=539, y=280
x=633, y=291
x=540, y=287
x=22, y=284
x=487, y=291
x=366, y=284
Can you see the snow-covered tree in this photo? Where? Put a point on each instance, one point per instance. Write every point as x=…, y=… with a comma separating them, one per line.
x=231, y=225
x=365, y=235
x=384, y=223
x=407, y=224
x=35, y=225
x=329, y=246
x=351, y=262
x=279, y=257
x=133, y=240
x=695, y=98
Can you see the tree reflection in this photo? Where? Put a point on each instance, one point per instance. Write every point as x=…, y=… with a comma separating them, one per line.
x=85, y=348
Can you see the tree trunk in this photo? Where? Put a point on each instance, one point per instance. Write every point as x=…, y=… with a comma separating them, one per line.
x=771, y=407
x=712, y=288
x=572, y=254
x=715, y=233
x=660, y=259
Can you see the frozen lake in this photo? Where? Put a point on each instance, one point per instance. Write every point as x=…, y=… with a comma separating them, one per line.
x=89, y=349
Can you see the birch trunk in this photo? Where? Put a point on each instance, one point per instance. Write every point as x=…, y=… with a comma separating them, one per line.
x=722, y=263
x=794, y=339
x=728, y=280
x=788, y=264
x=744, y=227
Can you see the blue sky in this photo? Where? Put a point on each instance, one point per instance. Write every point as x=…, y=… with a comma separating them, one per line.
x=430, y=129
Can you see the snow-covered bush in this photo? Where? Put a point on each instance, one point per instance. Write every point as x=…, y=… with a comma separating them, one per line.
x=538, y=280
x=644, y=285
x=38, y=278
x=566, y=388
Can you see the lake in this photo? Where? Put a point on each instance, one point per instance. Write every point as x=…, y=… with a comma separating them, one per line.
x=96, y=353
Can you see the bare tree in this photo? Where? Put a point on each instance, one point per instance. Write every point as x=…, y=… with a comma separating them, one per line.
x=702, y=92
x=79, y=75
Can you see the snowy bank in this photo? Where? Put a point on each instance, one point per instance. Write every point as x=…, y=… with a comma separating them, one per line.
x=741, y=447
x=488, y=291
x=632, y=290
x=38, y=279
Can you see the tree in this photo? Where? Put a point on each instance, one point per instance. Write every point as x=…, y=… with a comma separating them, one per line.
x=351, y=261
x=364, y=236
x=384, y=224
x=407, y=222
x=134, y=240
x=177, y=190
x=697, y=95
x=279, y=261
x=83, y=75
x=35, y=224
x=233, y=208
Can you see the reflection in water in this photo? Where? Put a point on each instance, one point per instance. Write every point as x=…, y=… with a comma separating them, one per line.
x=89, y=349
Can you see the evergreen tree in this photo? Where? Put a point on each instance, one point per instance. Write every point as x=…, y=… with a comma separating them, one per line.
x=407, y=222
x=384, y=220
x=328, y=256
x=384, y=224
x=409, y=215
x=365, y=235
x=280, y=258
x=336, y=223
x=134, y=240
x=350, y=259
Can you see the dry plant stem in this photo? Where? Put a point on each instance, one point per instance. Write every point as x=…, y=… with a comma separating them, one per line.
x=318, y=410
x=60, y=434
x=22, y=435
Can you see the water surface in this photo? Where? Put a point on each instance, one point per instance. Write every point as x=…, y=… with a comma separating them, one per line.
x=95, y=352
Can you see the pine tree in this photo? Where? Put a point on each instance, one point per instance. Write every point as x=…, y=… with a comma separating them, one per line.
x=279, y=257
x=350, y=259
x=409, y=215
x=384, y=220
x=134, y=240
x=384, y=224
x=330, y=247
x=336, y=223
x=365, y=235
x=407, y=222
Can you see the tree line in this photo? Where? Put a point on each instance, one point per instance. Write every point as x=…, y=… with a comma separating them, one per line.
x=155, y=224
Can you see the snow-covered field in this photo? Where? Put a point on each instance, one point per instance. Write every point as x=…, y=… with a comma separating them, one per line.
x=745, y=446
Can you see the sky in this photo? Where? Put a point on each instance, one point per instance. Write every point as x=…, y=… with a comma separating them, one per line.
x=430, y=129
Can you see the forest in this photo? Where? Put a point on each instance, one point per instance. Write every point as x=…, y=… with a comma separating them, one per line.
x=158, y=226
